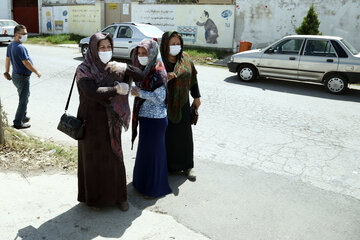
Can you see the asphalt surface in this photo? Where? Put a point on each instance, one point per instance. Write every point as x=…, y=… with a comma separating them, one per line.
x=274, y=159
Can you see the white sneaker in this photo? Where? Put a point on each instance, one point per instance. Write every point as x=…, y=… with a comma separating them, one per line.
x=190, y=174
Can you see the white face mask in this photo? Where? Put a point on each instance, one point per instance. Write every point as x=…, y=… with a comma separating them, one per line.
x=143, y=60
x=105, y=57
x=174, y=50
x=23, y=38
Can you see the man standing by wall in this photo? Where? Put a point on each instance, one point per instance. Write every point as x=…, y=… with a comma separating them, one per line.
x=22, y=67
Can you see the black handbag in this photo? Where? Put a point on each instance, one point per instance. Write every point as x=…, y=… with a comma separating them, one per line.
x=70, y=125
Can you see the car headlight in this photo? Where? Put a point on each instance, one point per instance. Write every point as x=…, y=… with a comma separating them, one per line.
x=231, y=59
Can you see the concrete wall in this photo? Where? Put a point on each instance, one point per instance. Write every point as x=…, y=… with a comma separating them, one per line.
x=5, y=9
x=263, y=22
x=63, y=2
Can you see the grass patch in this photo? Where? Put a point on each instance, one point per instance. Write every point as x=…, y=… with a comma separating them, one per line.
x=53, y=39
x=28, y=154
x=206, y=55
x=200, y=55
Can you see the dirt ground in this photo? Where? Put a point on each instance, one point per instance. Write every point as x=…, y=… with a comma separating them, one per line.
x=30, y=155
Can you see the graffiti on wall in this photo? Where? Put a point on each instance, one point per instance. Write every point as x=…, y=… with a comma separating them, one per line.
x=80, y=19
x=85, y=20
x=209, y=25
x=159, y=15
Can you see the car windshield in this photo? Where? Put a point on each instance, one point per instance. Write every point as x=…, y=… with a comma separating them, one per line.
x=149, y=30
x=8, y=23
x=350, y=47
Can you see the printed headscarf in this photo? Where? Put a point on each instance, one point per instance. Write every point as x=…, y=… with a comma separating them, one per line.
x=118, y=110
x=155, y=76
x=179, y=87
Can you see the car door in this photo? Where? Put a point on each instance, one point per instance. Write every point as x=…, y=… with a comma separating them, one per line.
x=123, y=41
x=319, y=57
x=282, y=59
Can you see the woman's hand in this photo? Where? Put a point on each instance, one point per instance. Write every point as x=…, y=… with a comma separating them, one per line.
x=171, y=76
x=135, y=91
x=117, y=67
x=196, y=103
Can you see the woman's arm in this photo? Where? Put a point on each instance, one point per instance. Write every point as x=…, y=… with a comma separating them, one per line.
x=158, y=95
x=194, y=90
x=136, y=73
x=90, y=90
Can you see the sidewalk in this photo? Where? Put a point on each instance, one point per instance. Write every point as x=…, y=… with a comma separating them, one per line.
x=226, y=202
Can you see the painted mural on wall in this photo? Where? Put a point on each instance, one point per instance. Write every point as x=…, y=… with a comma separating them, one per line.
x=55, y=19
x=47, y=17
x=211, y=31
x=200, y=25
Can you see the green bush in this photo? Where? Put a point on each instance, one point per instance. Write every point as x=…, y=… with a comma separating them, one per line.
x=310, y=24
x=56, y=38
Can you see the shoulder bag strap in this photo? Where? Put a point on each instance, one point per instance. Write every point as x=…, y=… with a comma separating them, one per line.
x=68, y=100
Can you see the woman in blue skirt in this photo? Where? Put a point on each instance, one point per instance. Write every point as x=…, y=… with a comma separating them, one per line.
x=150, y=172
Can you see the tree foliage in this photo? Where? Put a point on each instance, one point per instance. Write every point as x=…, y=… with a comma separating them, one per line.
x=310, y=24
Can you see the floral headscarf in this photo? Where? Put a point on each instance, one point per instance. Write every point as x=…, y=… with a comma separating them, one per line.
x=118, y=111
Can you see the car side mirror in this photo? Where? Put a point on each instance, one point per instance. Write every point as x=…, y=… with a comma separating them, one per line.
x=270, y=50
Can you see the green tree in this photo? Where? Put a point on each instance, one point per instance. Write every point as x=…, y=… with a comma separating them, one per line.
x=310, y=24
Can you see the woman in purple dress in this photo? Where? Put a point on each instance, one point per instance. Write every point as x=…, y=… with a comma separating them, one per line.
x=105, y=107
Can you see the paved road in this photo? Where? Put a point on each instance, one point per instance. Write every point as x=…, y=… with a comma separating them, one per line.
x=275, y=159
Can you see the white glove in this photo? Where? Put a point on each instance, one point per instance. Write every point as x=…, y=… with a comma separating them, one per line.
x=118, y=67
x=122, y=88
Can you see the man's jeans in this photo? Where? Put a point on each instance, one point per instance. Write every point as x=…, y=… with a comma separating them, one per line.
x=22, y=83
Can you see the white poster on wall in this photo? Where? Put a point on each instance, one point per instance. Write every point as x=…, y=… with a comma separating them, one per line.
x=61, y=23
x=47, y=20
x=204, y=25
x=126, y=7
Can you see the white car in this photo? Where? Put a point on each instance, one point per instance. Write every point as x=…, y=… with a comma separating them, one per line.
x=7, y=30
x=328, y=60
x=126, y=37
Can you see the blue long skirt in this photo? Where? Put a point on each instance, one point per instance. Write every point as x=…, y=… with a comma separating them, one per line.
x=150, y=172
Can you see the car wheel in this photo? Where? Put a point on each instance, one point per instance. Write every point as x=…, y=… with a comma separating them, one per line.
x=84, y=49
x=132, y=54
x=336, y=84
x=247, y=73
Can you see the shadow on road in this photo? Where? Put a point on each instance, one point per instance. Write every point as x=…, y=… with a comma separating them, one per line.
x=4, y=44
x=79, y=59
x=294, y=87
x=82, y=223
